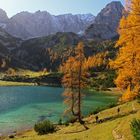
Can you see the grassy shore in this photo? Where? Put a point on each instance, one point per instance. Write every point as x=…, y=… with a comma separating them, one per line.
x=8, y=83
x=115, y=128
x=21, y=73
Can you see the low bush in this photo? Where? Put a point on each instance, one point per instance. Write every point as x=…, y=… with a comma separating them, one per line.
x=135, y=127
x=44, y=127
x=60, y=122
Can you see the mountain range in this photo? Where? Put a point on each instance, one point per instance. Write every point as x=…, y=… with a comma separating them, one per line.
x=40, y=40
x=27, y=25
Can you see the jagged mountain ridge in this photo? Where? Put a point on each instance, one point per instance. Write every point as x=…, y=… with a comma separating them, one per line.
x=106, y=22
x=41, y=23
x=51, y=51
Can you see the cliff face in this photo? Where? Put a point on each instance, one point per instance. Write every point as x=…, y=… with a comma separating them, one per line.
x=106, y=23
x=41, y=23
x=3, y=16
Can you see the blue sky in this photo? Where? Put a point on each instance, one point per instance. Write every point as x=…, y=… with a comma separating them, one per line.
x=54, y=6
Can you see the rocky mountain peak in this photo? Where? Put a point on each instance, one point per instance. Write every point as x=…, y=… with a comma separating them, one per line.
x=106, y=22
x=3, y=16
x=21, y=15
x=42, y=13
x=112, y=11
x=114, y=4
x=41, y=23
x=87, y=17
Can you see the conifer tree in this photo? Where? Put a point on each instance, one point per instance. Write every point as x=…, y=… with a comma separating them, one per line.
x=127, y=62
x=74, y=80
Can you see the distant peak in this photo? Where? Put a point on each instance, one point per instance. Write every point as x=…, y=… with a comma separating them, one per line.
x=112, y=8
x=114, y=3
x=3, y=15
x=24, y=13
x=40, y=12
x=68, y=14
x=1, y=10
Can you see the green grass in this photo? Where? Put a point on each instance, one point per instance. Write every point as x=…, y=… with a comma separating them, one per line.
x=104, y=131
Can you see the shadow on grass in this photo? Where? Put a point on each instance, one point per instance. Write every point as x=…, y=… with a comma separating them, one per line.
x=115, y=117
x=75, y=131
x=111, y=118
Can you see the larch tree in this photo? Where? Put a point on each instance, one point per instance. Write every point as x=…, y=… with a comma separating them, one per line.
x=127, y=62
x=68, y=82
x=98, y=60
x=74, y=80
x=81, y=72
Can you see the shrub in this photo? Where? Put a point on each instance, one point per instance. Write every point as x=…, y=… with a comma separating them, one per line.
x=60, y=122
x=135, y=127
x=44, y=127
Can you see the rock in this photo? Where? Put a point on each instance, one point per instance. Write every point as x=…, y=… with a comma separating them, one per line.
x=106, y=23
x=3, y=16
x=27, y=25
x=11, y=136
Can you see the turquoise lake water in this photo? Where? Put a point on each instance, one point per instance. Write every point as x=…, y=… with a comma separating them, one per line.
x=21, y=107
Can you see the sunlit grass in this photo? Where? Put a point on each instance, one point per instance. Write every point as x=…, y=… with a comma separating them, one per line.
x=21, y=73
x=8, y=83
x=103, y=131
x=31, y=74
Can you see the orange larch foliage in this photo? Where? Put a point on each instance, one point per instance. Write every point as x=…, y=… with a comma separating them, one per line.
x=97, y=60
x=127, y=62
x=74, y=80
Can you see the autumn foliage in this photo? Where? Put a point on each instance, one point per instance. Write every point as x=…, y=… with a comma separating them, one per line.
x=127, y=62
x=74, y=80
x=97, y=61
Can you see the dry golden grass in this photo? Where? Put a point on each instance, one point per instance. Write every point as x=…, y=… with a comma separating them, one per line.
x=8, y=83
